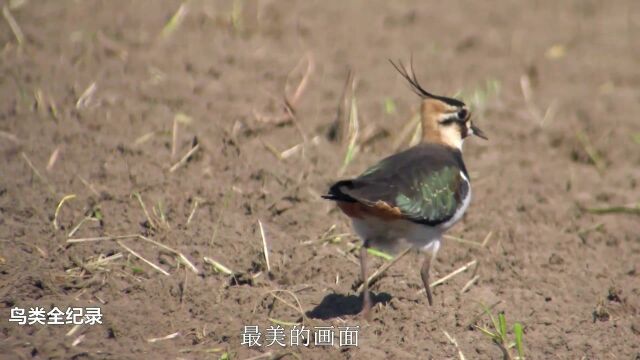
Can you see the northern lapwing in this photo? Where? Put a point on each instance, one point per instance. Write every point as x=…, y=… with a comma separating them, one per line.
x=411, y=198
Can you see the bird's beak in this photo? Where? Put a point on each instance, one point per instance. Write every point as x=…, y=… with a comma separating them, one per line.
x=477, y=132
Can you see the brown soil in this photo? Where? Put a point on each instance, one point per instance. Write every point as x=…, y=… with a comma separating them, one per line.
x=569, y=276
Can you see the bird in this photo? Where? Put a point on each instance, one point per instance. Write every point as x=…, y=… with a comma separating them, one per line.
x=409, y=199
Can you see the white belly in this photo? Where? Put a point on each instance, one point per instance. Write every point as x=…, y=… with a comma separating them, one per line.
x=396, y=235
x=393, y=236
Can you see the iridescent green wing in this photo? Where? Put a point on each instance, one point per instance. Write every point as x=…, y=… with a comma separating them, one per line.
x=425, y=183
x=431, y=197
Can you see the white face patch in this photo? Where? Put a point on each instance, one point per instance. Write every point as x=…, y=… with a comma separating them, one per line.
x=451, y=136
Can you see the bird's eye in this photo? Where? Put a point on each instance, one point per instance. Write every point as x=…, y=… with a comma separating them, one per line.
x=462, y=114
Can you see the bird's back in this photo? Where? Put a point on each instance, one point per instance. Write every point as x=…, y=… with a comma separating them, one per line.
x=425, y=184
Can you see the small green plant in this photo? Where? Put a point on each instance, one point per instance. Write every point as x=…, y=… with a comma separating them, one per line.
x=380, y=254
x=390, y=106
x=500, y=337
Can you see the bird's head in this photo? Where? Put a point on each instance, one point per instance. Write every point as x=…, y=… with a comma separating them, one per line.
x=444, y=120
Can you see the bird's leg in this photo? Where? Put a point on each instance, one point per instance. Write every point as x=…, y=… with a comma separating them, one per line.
x=366, y=299
x=424, y=272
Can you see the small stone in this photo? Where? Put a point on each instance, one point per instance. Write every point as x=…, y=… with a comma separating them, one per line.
x=556, y=259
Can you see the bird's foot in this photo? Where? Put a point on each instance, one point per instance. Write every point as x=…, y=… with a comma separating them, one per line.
x=365, y=313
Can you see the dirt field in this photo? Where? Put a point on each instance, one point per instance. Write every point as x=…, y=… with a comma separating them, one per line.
x=89, y=100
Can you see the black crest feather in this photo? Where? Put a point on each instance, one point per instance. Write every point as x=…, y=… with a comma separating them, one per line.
x=418, y=89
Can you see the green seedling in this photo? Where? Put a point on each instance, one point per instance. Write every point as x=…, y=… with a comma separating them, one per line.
x=500, y=337
x=380, y=254
x=390, y=106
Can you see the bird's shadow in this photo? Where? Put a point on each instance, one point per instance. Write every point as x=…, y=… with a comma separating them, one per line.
x=334, y=305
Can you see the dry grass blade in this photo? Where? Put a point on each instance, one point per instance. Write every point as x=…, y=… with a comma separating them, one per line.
x=174, y=138
x=264, y=245
x=275, y=292
x=45, y=105
x=624, y=209
x=185, y=158
x=156, y=267
x=353, y=132
x=83, y=268
x=57, y=212
x=175, y=21
x=94, y=265
x=290, y=102
x=112, y=46
x=380, y=271
x=193, y=212
x=40, y=101
x=469, y=284
x=551, y=112
x=218, y=266
x=85, y=99
x=453, y=341
x=178, y=119
x=53, y=158
x=73, y=330
x=302, y=85
x=469, y=242
x=462, y=241
x=181, y=256
x=53, y=109
x=10, y=137
x=281, y=119
x=101, y=238
x=272, y=149
x=225, y=204
x=159, y=213
x=338, y=130
x=168, y=337
x=143, y=138
x=527, y=94
x=486, y=239
x=284, y=323
x=593, y=154
x=454, y=273
x=150, y=220
x=458, y=271
x=291, y=151
x=13, y=24
x=78, y=340
x=88, y=185
x=267, y=355
x=38, y=174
